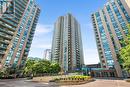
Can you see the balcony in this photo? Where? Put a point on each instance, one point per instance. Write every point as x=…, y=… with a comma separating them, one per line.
x=6, y=37
x=19, y=3
x=1, y=52
x=4, y=25
x=9, y=21
x=5, y=42
x=2, y=48
x=6, y=31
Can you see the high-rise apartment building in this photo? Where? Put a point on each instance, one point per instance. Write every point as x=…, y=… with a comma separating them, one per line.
x=67, y=44
x=47, y=54
x=16, y=32
x=110, y=26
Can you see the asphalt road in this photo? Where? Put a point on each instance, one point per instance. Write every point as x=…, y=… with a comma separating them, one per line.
x=97, y=83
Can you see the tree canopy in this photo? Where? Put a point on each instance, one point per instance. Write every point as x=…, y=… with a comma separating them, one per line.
x=125, y=52
x=40, y=67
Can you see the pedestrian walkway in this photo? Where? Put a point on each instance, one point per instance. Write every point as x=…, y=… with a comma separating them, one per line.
x=97, y=83
x=104, y=83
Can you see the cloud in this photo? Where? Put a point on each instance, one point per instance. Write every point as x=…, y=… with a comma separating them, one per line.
x=42, y=46
x=42, y=40
x=43, y=29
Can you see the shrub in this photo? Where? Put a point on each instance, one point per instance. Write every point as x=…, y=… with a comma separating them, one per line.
x=128, y=80
x=57, y=79
x=78, y=77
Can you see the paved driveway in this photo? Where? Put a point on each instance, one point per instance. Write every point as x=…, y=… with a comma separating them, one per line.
x=24, y=83
x=104, y=83
x=97, y=83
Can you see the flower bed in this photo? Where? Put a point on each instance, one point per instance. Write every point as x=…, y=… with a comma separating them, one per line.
x=73, y=80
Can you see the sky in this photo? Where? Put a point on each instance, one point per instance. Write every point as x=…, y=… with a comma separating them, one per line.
x=81, y=10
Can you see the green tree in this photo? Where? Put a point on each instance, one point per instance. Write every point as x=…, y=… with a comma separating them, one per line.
x=41, y=67
x=5, y=72
x=38, y=67
x=125, y=52
x=55, y=68
x=29, y=67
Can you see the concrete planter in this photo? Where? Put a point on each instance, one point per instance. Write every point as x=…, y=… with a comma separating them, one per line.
x=73, y=82
x=127, y=80
x=64, y=80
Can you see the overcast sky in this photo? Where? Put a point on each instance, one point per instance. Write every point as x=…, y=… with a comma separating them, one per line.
x=81, y=10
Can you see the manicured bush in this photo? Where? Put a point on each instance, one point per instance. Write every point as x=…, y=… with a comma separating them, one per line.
x=74, y=78
x=80, y=77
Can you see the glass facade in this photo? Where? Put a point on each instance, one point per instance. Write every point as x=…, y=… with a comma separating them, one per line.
x=114, y=23
x=66, y=45
x=119, y=17
x=105, y=42
x=124, y=10
x=110, y=26
x=21, y=31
